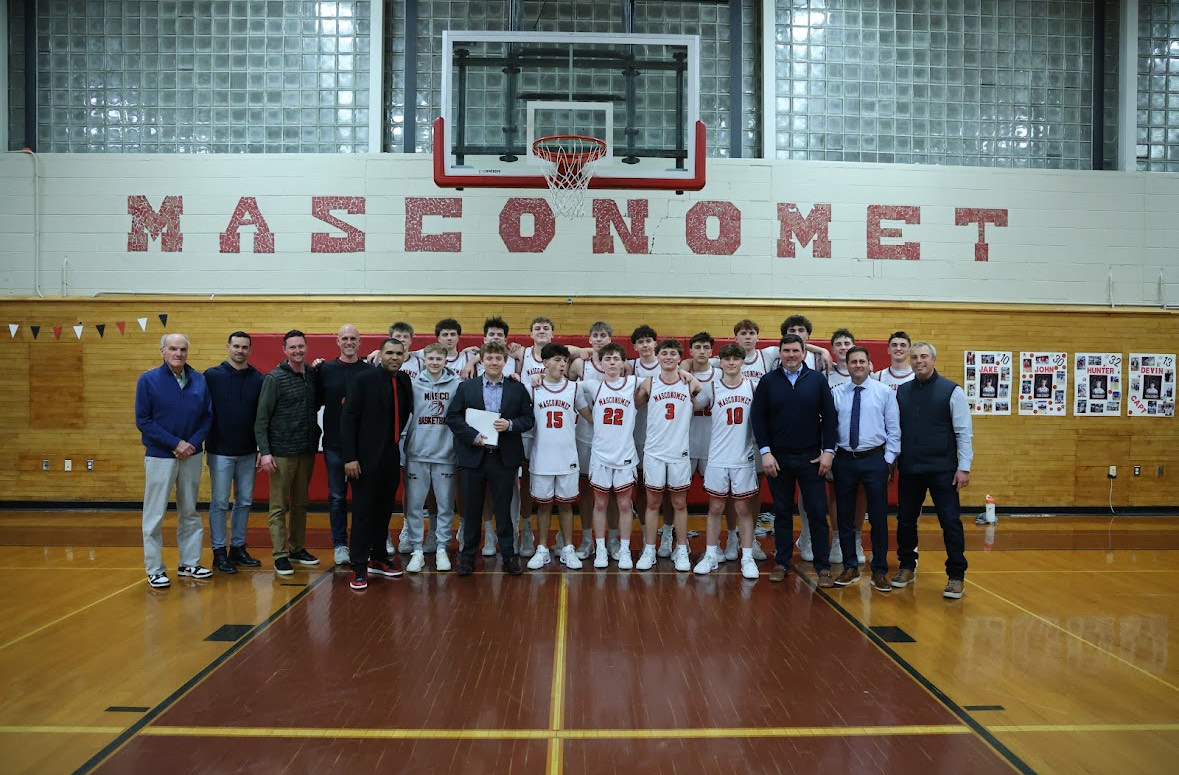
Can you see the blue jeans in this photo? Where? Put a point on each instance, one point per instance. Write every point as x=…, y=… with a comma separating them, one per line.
x=797, y=469
x=337, y=495
x=224, y=471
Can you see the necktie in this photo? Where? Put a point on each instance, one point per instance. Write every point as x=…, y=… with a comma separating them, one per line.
x=854, y=435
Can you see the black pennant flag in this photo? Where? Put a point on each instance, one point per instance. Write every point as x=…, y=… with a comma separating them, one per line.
x=36, y=330
x=101, y=329
x=164, y=320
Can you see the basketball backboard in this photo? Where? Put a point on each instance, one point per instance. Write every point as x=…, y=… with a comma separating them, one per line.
x=503, y=90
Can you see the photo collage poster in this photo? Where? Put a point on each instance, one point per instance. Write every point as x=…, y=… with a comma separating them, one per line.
x=1152, y=385
x=988, y=381
x=1043, y=383
x=1098, y=377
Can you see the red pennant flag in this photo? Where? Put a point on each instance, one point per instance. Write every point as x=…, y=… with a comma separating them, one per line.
x=101, y=329
x=164, y=319
x=57, y=332
x=122, y=324
x=36, y=330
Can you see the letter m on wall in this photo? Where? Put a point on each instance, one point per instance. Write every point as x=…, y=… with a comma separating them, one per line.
x=163, y=224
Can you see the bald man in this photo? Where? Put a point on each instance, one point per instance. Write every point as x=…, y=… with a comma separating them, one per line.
x=173, y=412
x=335, y=378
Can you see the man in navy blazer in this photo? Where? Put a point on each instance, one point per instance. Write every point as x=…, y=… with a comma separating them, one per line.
x=486, y=467
x=796, y=429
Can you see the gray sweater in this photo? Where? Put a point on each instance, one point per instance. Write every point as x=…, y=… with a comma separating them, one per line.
x=428, y=438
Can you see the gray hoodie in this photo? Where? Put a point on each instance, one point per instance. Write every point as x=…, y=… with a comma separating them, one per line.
x=429, y=439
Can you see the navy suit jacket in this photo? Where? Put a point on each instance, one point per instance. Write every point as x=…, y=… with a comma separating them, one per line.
x=516, y=406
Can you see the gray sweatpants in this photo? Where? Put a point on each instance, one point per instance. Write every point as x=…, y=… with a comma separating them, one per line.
x=161, y=474
x=419, y=479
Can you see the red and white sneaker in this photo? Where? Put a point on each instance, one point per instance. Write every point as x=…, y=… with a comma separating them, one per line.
x=390, y=568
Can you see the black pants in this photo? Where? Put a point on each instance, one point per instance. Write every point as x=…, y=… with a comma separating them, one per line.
x=872, y=473
x=493, y=476
x=797, y=469
x=373, y=495
x=911, y=491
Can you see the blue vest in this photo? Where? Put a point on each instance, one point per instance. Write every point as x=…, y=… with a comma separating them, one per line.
x=928, y=443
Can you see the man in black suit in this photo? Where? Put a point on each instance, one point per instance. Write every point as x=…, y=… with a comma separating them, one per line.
x=376, y=408
x=485, y=467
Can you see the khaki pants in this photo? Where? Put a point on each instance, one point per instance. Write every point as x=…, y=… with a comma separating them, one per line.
x=288, y=496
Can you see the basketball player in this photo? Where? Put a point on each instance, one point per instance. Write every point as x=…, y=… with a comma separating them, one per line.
x=731, y=471
x=899, y=371
x=554, y=467
x=610, y=406
x=667, y=465
x=589, y=367
x=645, y=366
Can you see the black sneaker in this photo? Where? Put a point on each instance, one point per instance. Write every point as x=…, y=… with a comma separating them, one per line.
x=194, y=571
x=239, y=556
x=221, y=562
x=303, y=557
x=282, y=566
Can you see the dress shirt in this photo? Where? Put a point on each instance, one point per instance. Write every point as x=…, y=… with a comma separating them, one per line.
x=880, y=419
x=963, y=427
x=493, y=396
x=792, y=375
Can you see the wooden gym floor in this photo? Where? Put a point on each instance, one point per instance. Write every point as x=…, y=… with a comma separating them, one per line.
x=1057, y=660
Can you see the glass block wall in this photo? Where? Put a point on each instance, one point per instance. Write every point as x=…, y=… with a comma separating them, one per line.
x=1158, y=86
x=176, y=76
x=709, y=20
x=1004, y=83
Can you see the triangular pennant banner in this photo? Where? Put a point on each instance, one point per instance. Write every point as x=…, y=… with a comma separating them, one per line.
x=164, y=320
x=36, y=330
x=142, y=323
x=122, y=326
x=78, y=331
x=101, y=330
x=12, y=329
x=57, y=332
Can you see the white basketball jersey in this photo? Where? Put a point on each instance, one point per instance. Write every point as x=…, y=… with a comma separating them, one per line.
x=532, y=367
x=892, y=378
x=613, y=405
x=641, y=372
x=458, y=362
x=835, y=377
x=669, y=414
x=590, y=373
x=413, y=366
x=554, y=450
x=731, y=445
x=700, y=429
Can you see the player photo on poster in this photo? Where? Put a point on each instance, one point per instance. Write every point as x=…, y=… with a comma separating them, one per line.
x=1152, y=385
x=1098, y=377
x=1043, y=383
x=988, y=381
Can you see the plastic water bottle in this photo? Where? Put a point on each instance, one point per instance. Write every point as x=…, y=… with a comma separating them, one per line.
x=989, y=538
x=990, y=511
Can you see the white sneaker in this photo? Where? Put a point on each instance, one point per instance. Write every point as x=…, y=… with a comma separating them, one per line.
x=732, y=546
x=601, y=558
x=625, y=560
x=341, y=555
x=390, y=547
x=836, y=555
x=646, y=559
x=527, y=539
x=758, y=553
x=683, y=563
x=417, y=561
x=404, y=542
x=804, y=551
x=749, y=568
x=442, y=560
x=707, y=563
x=569, y=558
x=666, y=541
x=488, y=542
x=587, y=546
x=540, y=559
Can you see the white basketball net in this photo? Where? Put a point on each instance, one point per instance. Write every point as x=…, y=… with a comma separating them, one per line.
x=568, y=163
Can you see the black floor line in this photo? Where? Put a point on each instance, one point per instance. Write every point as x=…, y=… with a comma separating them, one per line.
x=168, y=701
x=953, y=707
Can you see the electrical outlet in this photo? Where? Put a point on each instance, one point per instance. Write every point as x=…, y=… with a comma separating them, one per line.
x=89, y=465
x=1137, y=470
x=1113, y=472
x=44, y=465
x=69, y=464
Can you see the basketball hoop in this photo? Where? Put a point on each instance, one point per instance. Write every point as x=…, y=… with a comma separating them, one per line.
x=568, y=163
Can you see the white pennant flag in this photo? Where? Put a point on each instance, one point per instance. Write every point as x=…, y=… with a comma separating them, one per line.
x=12, y=329
x=142, y=323
x=78, y=331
